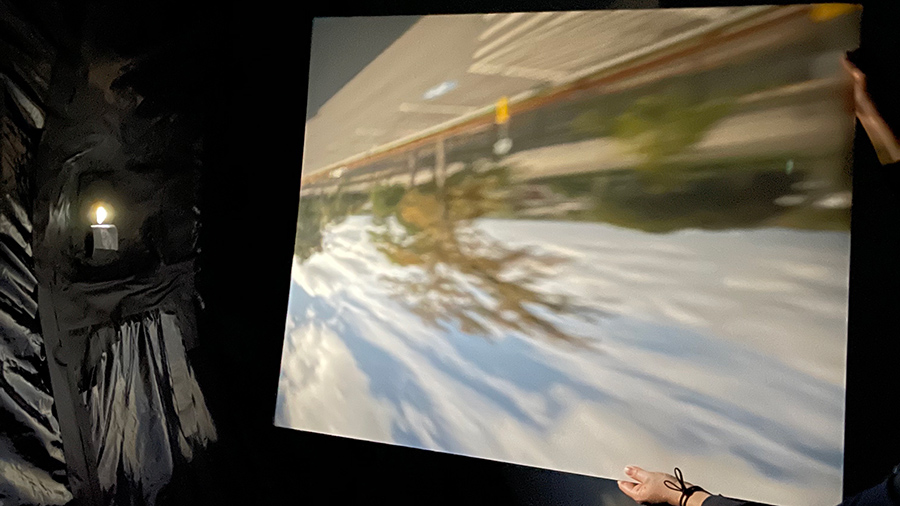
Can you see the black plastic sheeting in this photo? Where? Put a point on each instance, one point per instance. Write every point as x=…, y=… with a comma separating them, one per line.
x=147, y=412
x=138, y=415
x=32, y=467
x=117, y=325
x=25, y=55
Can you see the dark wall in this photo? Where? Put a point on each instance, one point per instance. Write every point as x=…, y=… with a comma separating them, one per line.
x=242, y=68
x=253, y=159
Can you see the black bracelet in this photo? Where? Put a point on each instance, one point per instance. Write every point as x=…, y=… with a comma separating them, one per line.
x=686, y=492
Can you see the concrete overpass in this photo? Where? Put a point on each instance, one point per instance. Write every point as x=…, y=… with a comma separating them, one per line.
x=526, y=57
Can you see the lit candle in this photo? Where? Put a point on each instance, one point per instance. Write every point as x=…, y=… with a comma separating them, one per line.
x=106, y=236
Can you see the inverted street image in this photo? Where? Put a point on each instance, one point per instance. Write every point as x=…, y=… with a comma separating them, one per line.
x=580, y=240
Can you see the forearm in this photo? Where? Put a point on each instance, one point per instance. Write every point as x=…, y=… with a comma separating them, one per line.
x=698, y=498
x=883, y=140
x=707, y=499
x=880, y=133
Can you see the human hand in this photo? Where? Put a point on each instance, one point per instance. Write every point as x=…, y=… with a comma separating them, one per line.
x=651, y=488
x=886, y=144
x=863, y=105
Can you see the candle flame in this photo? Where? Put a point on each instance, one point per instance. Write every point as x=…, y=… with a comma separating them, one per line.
x=101, y=215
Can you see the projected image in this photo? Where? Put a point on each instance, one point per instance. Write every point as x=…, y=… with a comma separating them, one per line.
x=580, y=240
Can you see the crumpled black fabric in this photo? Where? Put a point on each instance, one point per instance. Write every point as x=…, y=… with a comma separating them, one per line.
x=118, y=324
x=122, y=412
x=27, y=57
x=32, y=466
x=137, y=414
x=147, y=412
x=83, y=303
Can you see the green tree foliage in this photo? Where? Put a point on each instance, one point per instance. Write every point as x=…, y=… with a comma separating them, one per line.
x=662, y=125
x=316, y=212
x=308, y=240
x=592, y=123
x=463, y=276
x=385, y=199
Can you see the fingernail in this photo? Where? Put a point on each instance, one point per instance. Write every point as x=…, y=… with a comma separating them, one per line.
x=629, y=470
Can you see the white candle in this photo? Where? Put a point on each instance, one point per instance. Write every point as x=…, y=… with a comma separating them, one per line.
x=105, y=237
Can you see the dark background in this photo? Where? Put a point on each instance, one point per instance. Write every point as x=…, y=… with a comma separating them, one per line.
x=255, y=61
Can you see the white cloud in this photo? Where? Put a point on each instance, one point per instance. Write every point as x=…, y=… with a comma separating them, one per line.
x=742, y=384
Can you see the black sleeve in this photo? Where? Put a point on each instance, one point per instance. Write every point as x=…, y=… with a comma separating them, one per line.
x=886, y=493
x=718, y=500
x=883, y=494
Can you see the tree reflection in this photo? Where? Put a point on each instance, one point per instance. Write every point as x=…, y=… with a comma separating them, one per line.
x=319, y=211
x=308, y=240
x=667, y=124
x=462, y=275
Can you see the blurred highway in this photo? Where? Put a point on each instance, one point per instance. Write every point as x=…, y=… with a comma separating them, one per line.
x=434, y=90
x=483, y=57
